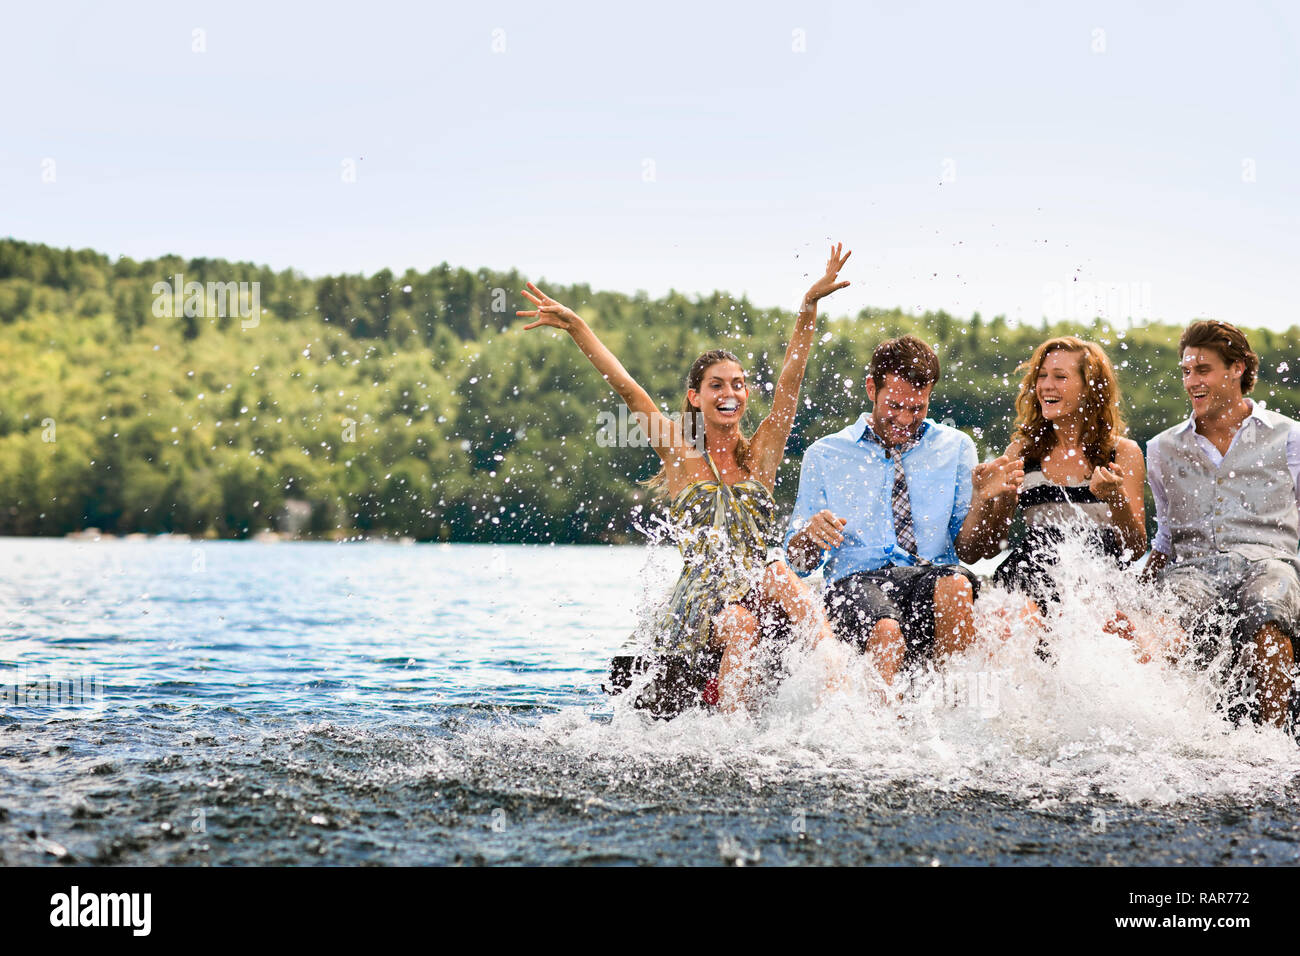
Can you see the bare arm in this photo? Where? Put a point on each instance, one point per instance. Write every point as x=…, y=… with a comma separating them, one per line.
x=1155, y=564
x=769, y=441
x=666, y=436
x=996, y=490
x=1121, y=488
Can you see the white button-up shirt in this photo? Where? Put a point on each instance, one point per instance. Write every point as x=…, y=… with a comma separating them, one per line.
x=1155, y=471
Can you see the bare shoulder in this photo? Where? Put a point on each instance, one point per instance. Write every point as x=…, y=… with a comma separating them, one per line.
x=1127, y=446
x=1128, y=453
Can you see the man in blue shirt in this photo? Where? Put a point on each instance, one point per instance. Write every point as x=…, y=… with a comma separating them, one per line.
x=896, y=499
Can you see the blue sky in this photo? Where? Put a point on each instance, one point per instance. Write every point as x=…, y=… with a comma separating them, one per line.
x=1013, y=159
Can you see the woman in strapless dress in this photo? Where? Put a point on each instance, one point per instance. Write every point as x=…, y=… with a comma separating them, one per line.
x=719, y=482
x=1082, y=475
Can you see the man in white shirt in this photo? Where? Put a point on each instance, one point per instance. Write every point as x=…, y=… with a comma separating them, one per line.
x=1226, y=484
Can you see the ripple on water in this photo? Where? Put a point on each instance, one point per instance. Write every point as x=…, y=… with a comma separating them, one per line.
x=278, y=731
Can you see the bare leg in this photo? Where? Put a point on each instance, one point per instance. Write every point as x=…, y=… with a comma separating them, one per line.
x=737, y=631
x=783, y=588
x=954, y=615
x=1271, y=669
x=886, y=648
x=1029, y=614
x=1121, y=625
x=1165, y=639
x=1032, y=614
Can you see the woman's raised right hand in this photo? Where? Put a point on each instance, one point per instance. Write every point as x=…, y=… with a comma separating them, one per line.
x=548, y=311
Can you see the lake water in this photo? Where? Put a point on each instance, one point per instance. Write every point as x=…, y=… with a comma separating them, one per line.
x=249, y=703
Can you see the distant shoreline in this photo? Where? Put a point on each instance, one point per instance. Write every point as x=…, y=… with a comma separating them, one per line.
x=275, y=538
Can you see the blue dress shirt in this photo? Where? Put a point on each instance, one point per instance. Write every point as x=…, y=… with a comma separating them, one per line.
x=848, y=473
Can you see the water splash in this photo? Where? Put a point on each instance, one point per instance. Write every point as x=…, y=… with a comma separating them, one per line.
x=1085, y=720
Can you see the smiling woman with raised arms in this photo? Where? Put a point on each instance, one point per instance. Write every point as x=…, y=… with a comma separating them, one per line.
x=719, y=485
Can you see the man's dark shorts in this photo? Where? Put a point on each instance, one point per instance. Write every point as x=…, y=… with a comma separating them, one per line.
x=905, y=594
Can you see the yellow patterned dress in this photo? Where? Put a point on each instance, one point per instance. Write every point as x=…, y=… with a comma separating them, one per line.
x=724, y=533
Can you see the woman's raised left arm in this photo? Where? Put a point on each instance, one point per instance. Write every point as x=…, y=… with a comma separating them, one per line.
x=769, y=441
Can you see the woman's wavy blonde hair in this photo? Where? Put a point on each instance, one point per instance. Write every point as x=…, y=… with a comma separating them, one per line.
x=1103, y=425
x=693, y=420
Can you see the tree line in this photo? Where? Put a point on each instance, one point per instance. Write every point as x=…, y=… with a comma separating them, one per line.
x=412, y=405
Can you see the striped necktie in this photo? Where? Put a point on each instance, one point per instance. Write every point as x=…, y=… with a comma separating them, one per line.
x=904, y=530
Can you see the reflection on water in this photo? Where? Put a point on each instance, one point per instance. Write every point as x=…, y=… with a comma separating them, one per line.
x=294, y=703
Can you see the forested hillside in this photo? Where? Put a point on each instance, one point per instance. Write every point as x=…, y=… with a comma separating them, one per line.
x=413, y=404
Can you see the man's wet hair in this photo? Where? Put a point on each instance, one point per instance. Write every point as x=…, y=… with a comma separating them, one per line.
x=907, y=357
x=1228, y=340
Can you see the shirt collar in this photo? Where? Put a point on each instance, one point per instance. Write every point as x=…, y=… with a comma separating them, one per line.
x=861, y=430
x=1255, y=409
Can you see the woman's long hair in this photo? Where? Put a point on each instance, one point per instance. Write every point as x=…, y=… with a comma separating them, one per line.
x=693, y=420
x=1103, y=425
